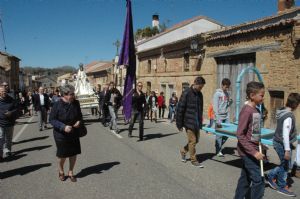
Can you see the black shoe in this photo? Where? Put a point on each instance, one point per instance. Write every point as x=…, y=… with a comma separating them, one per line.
x=140, y=140
x=45, y=127
x=41, y=129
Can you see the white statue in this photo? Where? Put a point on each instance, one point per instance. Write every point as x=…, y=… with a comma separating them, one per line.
x=82, y=86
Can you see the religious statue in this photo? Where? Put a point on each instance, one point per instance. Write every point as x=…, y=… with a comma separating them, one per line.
x=82, y=86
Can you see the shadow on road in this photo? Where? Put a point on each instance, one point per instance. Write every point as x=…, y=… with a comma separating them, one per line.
x=91, y=120
x=157, y=135
x=22, y=123
x=13, y=158
x=22, y=170
x=38, y=148
x=126, y=129
x=97, y=169
x=236, y=162
x=229, y=150
x=31, y=140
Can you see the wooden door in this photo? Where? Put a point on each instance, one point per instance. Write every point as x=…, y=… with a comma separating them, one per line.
x=230, y=67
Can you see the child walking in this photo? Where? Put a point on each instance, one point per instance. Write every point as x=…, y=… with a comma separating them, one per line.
x=221, y=104
x=285, y=135
x=250, y=183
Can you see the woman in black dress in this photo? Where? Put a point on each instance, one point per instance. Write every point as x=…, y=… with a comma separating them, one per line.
x=66, y=118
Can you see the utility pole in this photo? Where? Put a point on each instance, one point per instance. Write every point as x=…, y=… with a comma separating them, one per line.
x=117, y=44
x=1, y=24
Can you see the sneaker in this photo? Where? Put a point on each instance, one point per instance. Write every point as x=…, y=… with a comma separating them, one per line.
x=197, y=164
x=117, y=131
x=220, y=154
x=272, y=183
x=286, y=191
x=183, y=158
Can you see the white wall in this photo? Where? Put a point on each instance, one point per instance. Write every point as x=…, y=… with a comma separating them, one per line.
x=189, y=30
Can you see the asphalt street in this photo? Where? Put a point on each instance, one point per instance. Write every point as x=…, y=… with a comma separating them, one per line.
x=114, y=166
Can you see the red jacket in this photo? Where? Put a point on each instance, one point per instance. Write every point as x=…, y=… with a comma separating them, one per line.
x=161, y=101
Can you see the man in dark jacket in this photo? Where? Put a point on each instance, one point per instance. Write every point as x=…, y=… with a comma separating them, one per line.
x=101, y=96
x=138, y=105
x=189, y=115
x=41, y=106
x=8, y=116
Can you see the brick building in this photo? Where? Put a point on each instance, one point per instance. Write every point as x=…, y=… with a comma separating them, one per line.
x=166, y=62
x=10, y=66
x=271, y=44
x=99, y=72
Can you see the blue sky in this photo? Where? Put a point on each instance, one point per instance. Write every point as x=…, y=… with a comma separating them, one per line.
x=52, y=33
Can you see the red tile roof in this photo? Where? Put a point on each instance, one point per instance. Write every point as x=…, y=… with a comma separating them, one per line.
x=282, y=19
x=97, y=66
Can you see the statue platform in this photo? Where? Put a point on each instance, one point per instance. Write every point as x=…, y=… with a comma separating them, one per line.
x=88, y=101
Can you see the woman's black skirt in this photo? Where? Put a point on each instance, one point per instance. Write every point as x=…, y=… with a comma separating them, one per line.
x=68, y=148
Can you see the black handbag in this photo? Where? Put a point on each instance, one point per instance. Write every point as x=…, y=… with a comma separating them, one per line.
x=82, y=131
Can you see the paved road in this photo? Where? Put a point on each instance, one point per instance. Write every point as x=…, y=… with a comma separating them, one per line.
x=115, y=167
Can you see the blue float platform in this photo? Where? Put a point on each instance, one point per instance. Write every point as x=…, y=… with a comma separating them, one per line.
x=229, y=130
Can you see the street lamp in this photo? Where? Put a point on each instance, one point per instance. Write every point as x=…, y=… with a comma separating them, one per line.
x=194, y=46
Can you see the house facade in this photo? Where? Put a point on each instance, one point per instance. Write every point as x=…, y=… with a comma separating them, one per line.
x=99, y=73
x=166, y=61
x=270, y=44
x=9, y=67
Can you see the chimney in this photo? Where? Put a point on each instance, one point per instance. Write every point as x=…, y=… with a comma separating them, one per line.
x=155, y=21
x=285, y=5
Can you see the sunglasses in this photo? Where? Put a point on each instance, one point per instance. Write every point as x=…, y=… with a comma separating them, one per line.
x=140, y=85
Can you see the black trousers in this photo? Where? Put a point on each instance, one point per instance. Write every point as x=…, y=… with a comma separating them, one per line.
x=161, y=112
x=134, y=116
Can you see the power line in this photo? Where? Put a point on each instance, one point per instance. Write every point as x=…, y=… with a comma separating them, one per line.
x=3, y=34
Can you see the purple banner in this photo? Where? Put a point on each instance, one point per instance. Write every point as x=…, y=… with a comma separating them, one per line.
x=128, y=59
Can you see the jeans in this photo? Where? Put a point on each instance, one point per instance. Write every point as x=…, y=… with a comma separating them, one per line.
x=193, y=139
x=134, y=116
x=251, y=184
x=6, y=135
x=280, y=171
x=220, y=140
x=42, y=117
x=211, y=123
x=113, y=115
x=172, y=113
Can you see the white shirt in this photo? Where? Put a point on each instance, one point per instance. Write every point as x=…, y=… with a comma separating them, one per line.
x=42, y=99
x=287, y=126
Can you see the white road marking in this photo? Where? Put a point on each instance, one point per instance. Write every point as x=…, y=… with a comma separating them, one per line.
x=118, y=135
x=22, y=129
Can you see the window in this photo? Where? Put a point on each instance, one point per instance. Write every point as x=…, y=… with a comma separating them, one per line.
x=199, y=64
x=186, y=62
x=149, y=66
x=148, y=87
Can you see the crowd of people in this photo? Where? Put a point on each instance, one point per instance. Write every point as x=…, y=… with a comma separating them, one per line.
x=67, y=121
